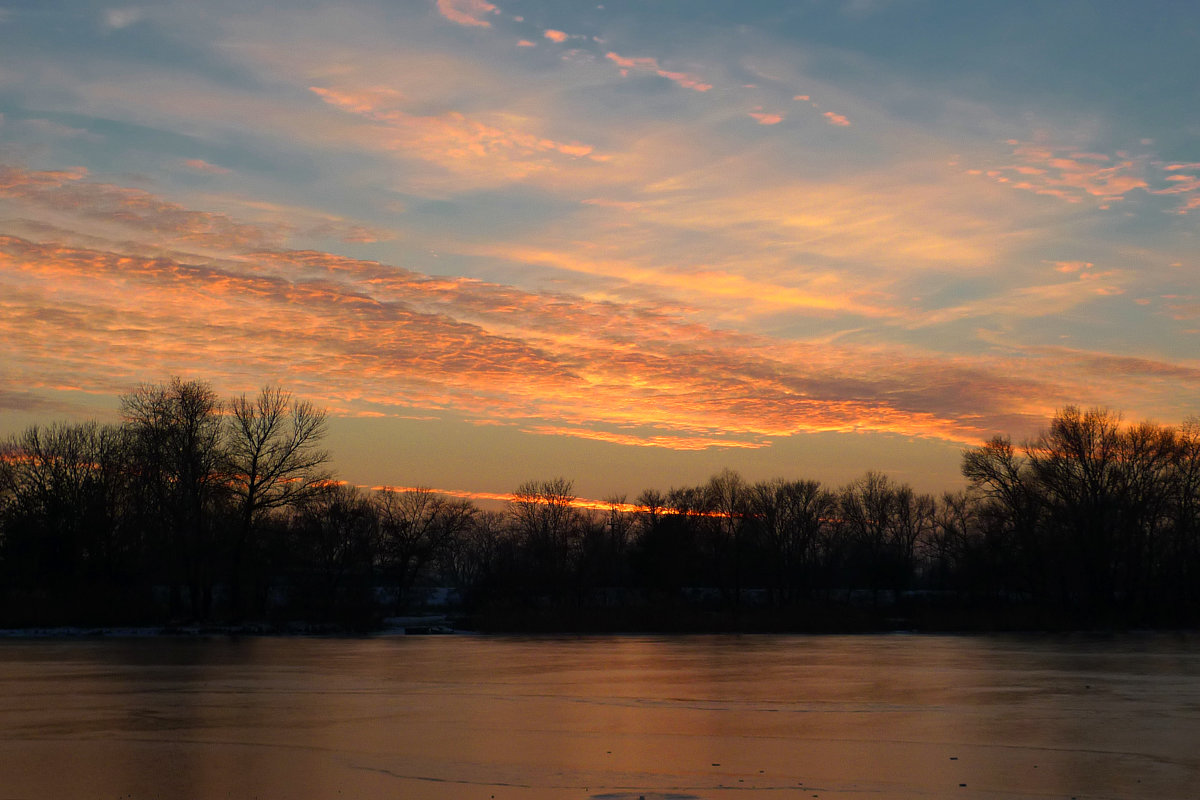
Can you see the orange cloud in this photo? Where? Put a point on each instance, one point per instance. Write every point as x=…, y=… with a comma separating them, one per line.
x=836, y=119
x=372, y=338
x=526, y=43
x=467, y=12
x=453, y=140
x=14, y=180
x=507, y=497
x=669, y=442
x=556, y=36
x=645, y=63
x=719, y=287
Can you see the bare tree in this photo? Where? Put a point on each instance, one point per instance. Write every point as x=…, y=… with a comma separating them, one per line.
x=544, y=513
x=274, y=460
x=175, y=433
x=791, y=516
x=727, y=501
x=335, y=530
x=474, y=550
x=61, y=494
x=417, y=527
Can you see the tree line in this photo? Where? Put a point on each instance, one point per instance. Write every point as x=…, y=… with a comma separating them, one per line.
x=198, y=509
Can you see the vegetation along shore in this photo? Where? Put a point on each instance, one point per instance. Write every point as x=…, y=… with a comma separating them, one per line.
x=199, y=511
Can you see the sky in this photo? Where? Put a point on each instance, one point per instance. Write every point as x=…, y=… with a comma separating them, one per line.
x=626, y=243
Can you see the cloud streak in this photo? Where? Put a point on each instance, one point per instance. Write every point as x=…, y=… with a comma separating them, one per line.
x=453, y=140
x=557, y=361
x=471, y=13
x=1078, y=176
x=649, y=64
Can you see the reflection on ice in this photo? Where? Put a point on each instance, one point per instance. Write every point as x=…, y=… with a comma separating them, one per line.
x=607, y=718
x=645, y=796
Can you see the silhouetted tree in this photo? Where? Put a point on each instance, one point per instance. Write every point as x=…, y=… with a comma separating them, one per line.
x=64, y=538
x=1011, y=509
x=335, y=532
x=1180, y=552
x=273, y=461
x=665, y=555
x=416, y=527
x=175, y=438
x=726, y=505
x=548, y=529
x=791, y=516
x=474, y=551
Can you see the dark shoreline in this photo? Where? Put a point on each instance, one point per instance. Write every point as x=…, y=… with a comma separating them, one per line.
x=551, y=625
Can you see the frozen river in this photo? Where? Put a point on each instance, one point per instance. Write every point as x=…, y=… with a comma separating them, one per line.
x=710, y=717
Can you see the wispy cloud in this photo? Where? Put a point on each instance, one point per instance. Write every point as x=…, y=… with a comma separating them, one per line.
x=49, y=129
x=648, y=64
x=454, y=140
x=471, y=13
x=1029, y=302
x=598, y=370
x=65, y=191
x=200, y=165
x=1076, y=175
x=766, y=117
x=836, y=119
x=666, y=441
x=118, y=18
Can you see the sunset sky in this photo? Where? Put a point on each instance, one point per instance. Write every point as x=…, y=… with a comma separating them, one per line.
x=627, y=243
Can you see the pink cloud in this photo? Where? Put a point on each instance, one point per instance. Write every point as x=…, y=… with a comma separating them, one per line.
x=1192, y=203
x=836, y=119
x=556, y=36
x=1181, y=184
x=200, y=165
x=802, y=97
x=1072, y=266
x=134, y=209
x=684, y=79
x=1077, y=177
x=764, y=118
x=641, y=63
x=467, y=12
x=526, y=43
